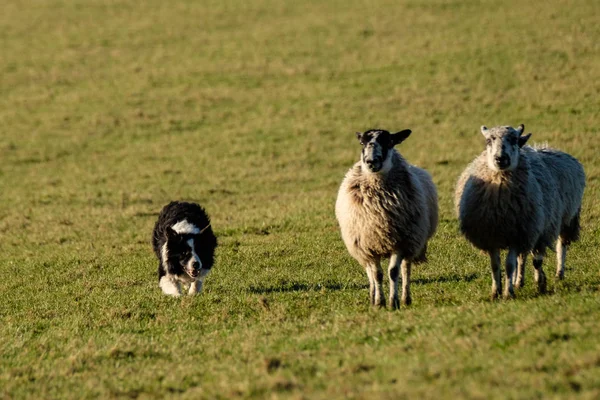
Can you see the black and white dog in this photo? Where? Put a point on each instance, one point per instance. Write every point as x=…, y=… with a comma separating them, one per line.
x=184, y=244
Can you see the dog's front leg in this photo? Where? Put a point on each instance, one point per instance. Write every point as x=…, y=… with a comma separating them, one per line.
x=169, y=286
x=196, y=286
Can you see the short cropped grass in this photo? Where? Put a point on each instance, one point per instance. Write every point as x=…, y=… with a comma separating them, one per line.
x=109, y=109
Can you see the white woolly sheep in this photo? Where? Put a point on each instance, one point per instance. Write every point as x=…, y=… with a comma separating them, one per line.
x=386, y=208
x=523, y=199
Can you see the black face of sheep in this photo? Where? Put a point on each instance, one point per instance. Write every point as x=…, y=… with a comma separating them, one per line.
x=376, y=145
x=502, y=146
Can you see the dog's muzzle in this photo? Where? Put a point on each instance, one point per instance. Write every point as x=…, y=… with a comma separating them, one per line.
x=194, y=271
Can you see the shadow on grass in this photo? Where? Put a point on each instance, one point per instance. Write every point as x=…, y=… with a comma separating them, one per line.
x=145, y=214
x=303, y=287
x=315, y=287
x=446, y=279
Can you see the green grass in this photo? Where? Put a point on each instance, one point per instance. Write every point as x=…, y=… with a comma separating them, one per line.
x=111, y=108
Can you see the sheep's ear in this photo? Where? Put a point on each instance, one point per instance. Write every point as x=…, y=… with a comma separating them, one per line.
x=484, y=131
x=400, y=137
x=359, y=136
x=524, y=139
x=520, y=129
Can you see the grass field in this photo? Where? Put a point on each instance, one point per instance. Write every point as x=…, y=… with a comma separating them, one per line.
x=111, y=108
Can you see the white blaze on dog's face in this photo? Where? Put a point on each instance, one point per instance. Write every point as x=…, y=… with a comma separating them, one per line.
x=191, y=262
x=180, y=243
x=376, y=148
x=502, y=146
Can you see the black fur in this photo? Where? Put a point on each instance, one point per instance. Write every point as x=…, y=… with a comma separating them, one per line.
x=204, y=243
x=570, y=231
x=385, y=139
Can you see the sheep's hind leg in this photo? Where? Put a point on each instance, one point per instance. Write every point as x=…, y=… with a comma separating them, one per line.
x=406, y=298
x=539, y=276
x=511, y=263
x=496, y=282
x=394, y=272
x=519, y=277
x=561, y=256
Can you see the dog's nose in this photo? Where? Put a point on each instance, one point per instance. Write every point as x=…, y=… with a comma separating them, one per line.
x=196, y=265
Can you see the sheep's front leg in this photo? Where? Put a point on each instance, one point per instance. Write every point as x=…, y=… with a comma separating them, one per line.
x=539, y=275
x=406, y=298
x=394, y=273
x=519, y=277
x=561, y=256
x=371, y=284
x=375, y=285
x=511, y=263
x=496, y=283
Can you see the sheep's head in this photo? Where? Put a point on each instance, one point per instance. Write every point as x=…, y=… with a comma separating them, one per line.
x=377, y=144
x=502, y=146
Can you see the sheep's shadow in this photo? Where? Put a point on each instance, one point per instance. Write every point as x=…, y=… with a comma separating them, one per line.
x=315, y=287
x=445, y=279
x=304, y=287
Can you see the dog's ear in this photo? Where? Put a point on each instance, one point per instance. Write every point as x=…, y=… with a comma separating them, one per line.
x=170, y=234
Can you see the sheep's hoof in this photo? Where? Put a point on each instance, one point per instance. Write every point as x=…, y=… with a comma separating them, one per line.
x=394, y=303
x=560, y=275
x=542, y=283
x=379, y=303
x=509, y=294
x=495, y=295
x=519, y=283
x=407, y=301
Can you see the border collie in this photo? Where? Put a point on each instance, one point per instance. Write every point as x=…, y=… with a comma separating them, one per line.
x=184, y=244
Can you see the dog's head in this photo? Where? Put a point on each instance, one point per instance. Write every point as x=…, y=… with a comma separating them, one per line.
x=181, y=254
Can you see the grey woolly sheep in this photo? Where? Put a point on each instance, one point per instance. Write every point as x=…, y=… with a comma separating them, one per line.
x=523, y=199
x=386, y=208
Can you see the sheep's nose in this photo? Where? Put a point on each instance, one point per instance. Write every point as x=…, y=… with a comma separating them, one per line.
x=502, y=160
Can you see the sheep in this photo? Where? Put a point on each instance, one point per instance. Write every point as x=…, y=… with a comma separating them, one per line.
x=523, y=199
x=386, y=208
